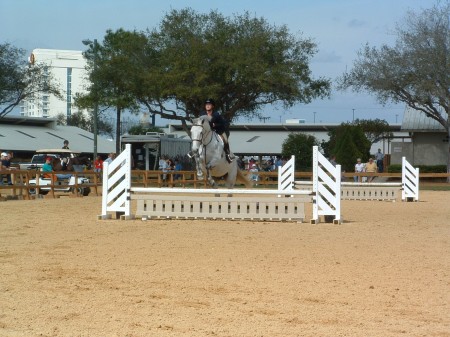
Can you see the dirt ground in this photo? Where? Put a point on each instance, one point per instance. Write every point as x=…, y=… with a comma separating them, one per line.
x=384, y=272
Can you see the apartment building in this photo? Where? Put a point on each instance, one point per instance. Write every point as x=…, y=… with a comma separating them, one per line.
x=68, y=69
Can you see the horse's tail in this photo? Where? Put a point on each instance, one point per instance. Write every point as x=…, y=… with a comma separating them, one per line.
x=243, y=178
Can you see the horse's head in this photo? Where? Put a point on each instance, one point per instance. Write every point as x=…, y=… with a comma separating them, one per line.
x=57, y=164
x=81, y=161
x=200, y=128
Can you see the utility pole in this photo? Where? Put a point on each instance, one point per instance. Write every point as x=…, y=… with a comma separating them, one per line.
x=353, y=115
x=94, y=87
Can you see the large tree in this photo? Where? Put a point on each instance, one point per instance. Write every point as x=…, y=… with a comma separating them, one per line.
x=300, y=145
x=416, y=71
x=21, y=80
x=242, y=62
x=347, y=142
x=110, y=66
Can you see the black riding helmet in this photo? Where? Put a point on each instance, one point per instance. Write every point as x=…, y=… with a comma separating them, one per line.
x=210, y=101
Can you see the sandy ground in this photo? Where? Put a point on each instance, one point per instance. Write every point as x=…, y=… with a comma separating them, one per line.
x=384, y=272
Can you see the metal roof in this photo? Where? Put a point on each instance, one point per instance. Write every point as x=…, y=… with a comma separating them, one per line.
x=267, y=139
x=31, y=134
x=415, y=120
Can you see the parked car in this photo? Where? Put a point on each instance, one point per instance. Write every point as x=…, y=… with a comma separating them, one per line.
x=38, y=161
x=69, y=185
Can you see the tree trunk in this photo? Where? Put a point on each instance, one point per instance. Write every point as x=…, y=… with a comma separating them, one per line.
x=118, y=129
x=448, y=155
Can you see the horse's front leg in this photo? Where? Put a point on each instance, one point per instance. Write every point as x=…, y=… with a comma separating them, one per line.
x=211, y=180
x=199, y=166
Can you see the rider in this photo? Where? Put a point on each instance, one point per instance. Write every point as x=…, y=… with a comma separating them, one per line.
x=220, y=125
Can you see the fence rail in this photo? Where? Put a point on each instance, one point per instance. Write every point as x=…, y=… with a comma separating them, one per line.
x=20, y=178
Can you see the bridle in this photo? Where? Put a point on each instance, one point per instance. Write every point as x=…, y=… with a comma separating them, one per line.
x=202, y=135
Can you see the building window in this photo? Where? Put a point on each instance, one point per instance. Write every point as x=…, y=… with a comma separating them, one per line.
x=69, y=93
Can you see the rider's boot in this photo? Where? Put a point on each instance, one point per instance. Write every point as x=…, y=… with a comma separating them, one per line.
x=229, y=155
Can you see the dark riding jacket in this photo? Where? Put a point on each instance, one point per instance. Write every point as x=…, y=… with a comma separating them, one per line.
x=219, y=123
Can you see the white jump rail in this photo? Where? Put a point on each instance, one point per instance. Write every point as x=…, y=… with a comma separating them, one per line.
x=362, y=191
x=374, y=190
x=226, y=204
x=235, y=204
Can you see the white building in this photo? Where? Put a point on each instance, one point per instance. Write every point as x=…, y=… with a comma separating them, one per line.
x=67, y=67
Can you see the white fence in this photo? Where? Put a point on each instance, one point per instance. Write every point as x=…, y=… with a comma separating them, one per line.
x=116, y=184
x=326, y=186
x=410, y=181
x=194, y=203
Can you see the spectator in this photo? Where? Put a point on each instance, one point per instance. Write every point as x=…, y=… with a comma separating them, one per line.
x=371, y=167
x=178, y=167
x=1, y=167
x=359, y=167
x=254, y=170
x=6, y=165
x=110, y=158
x=170, y=164
x=66, y=144
x=164, y=167
x=333, y=161
x=240, y=162
x=251, y=161
x=380, y=161
x=98, y=166
x=279, y=161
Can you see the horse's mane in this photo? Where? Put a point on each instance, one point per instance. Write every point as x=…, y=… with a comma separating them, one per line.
x=200, y=121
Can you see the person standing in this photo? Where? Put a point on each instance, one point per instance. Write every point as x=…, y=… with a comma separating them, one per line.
x=98, y=166
x=371, y=167
x=380, y=161
x=359, y=167
x=2, y=158
x=6, y=165
x=110, y=158
x=220, y=125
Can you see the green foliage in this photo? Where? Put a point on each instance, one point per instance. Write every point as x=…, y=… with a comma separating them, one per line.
x=110, y=70
x=301, y=146
x=415, y=71
x=20, y=80
x=84, y=122
x=397, y=168
x=347, y=142
x=375, y=129
x=243, y=62
x=140, y=129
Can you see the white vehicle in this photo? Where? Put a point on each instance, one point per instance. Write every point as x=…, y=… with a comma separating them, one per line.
x=67, y=185
x=38, y=159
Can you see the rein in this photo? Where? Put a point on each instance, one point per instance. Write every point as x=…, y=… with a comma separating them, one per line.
x=203, y=136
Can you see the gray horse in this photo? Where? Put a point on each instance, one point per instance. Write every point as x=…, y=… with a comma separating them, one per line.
x=207, y=150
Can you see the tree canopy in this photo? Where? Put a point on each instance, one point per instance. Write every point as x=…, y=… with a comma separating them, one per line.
x=19, y=80
x=416, y=71
x=300, y=145
x=347, y=142
x=241, y=61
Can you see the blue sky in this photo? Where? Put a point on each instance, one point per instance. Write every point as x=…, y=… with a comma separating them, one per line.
x=340, y=29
